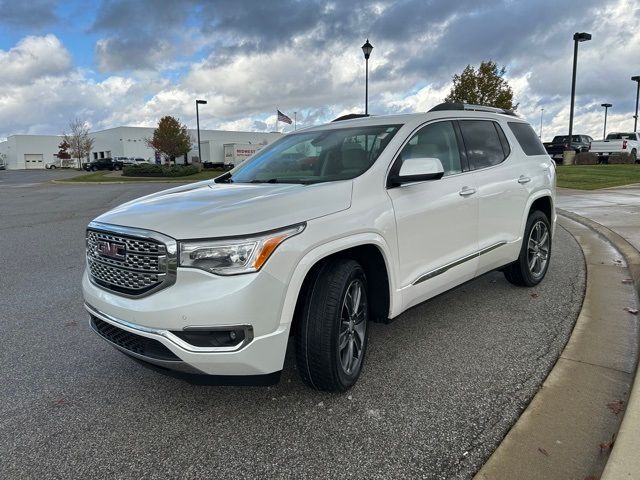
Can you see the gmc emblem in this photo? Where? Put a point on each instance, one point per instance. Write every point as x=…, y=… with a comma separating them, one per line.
x=114, y=250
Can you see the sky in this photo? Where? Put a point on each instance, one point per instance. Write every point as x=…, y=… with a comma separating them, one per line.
x=130, y=62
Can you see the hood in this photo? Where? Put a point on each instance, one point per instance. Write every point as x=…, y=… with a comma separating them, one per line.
x=208, y=210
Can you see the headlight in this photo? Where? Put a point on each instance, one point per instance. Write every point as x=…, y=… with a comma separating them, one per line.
x=234, y=255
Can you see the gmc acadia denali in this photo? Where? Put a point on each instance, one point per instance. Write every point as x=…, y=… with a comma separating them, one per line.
x=315, y=236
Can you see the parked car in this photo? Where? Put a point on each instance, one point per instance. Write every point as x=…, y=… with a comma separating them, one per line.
x=103, y=164
x=213, y=277
x=130, y=160
x=560, y=143
x=58, y=163
x=617, y=143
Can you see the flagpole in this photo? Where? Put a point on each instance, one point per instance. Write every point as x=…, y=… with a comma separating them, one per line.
x=295, y=120
x=277, y=121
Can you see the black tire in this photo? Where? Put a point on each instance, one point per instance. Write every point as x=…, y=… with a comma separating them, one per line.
x=52, y=167
x=322, y=325
x=94, y=169
x=117, y=167
x=520, y=272
x=634, y=156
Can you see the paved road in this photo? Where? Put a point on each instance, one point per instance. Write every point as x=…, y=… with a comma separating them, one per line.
x=442, y=384
x=30, y=178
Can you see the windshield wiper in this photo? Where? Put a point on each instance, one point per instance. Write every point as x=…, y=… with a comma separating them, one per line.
x=224, y=178
x=271, y=180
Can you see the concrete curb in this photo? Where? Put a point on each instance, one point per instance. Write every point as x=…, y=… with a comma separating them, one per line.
x=624, y=461
x=566, y=429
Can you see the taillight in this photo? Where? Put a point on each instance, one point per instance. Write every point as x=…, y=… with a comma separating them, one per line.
x=589, y=146
x=624, y=144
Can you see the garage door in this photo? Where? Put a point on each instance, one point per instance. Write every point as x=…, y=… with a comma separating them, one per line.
x=32, y=160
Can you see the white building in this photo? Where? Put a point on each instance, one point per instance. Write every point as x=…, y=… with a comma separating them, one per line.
x=33, y=151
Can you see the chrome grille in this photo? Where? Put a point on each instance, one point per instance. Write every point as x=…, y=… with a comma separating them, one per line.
x=122, y=260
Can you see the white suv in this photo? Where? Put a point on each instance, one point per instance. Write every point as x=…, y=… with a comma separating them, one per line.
x=319, y=233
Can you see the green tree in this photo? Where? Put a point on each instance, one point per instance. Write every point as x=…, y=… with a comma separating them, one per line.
x=170, y=138
x=484, y=86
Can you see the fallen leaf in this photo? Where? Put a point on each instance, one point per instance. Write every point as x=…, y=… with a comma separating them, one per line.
x=627, y=280
x=608, y=445
x=535, y=295
x=616, y=406
x=59, y=401
x=543, y=451
x=71, y=323
x=590, y=477
x=632, y=311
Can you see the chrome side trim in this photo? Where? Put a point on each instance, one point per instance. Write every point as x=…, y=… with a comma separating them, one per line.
x=167, y=335
x=455, y=263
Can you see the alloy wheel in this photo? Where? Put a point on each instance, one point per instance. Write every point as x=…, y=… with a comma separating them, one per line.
x=353, y=326
x=538, y=249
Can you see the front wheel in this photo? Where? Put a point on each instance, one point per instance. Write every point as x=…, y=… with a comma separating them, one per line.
x=331, y=336
x=532, y=264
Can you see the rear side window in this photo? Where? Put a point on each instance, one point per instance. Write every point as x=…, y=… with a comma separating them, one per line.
x=483, y=143
x=527, y=138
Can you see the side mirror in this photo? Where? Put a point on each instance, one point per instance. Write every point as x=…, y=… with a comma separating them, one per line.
x=417, y=170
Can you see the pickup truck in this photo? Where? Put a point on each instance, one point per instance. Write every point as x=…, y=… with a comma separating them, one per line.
x=560, y=143
x=103, y=164
x=617, y=142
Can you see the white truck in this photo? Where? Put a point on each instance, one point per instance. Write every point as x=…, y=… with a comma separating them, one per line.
x=236, y=153
x=617, y=143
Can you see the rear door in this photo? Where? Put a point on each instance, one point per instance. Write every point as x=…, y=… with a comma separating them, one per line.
x=436, y=220
x=503, y=190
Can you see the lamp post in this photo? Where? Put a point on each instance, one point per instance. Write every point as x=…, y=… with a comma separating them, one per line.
x=541, y=114
x=577, y=38
x=606, y=106
x=366, y=49
x=635, y=117
x=199, y=102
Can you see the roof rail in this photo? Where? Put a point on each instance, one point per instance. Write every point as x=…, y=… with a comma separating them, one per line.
x=469, y=107
x=349, y=116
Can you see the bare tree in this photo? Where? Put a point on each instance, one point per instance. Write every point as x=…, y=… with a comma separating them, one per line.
x=80, y=143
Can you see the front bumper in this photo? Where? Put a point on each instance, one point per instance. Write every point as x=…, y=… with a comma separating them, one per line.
x=252, y=302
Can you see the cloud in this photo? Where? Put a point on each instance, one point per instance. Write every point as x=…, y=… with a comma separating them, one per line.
x=32, y=14
x=33, y=58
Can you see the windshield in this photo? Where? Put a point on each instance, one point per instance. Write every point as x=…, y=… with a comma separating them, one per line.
x=314, y=157
x=565, y=138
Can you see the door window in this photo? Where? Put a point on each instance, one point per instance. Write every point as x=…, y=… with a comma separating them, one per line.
x=436, y=140
x=483, y=143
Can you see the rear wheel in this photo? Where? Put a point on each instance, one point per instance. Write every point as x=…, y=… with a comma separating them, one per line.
x=331, y=336
x=94, y=169
x=634, y=156
x=533, y=262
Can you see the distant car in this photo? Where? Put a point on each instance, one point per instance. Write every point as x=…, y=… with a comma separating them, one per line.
x=103, y=164
x=616, y=142
x=560, y=143
x=2, y=166
x=56, y=163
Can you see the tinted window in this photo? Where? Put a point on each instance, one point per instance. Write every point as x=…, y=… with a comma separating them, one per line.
x=484, y=148
x=527, y=138
x=436, y=140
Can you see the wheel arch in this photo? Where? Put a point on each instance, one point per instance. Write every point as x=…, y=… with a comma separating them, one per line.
x=370, y=250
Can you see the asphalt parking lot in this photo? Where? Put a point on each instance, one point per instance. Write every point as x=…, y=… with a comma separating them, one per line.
x=441, y=386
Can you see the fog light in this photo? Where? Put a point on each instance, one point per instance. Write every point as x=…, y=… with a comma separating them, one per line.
x=212, y=338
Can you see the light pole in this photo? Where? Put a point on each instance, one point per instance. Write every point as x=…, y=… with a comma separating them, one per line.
x=577, y=38
x=635, y=117
x=541, y=114
x=366, y=49
x=606, y=106
x=199, y=102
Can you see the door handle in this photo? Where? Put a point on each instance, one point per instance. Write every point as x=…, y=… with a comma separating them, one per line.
x=466, y=191
x=523, y=179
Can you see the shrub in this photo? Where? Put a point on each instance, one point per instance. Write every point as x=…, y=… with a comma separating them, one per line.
x=620, y=159
x=586, y=158
x=151, y=170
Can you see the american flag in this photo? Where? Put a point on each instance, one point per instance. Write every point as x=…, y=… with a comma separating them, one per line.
x=283, y=118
